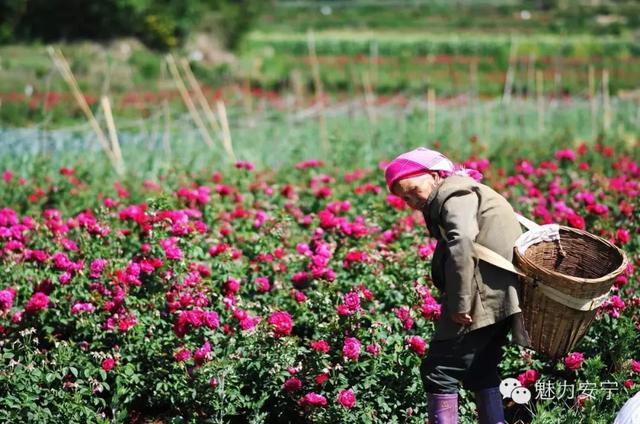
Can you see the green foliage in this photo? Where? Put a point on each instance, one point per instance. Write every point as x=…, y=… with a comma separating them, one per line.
x=162, y=25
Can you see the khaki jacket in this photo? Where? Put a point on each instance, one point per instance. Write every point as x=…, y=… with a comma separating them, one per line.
x=470, y=211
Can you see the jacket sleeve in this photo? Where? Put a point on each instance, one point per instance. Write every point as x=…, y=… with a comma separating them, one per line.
x=460, y=223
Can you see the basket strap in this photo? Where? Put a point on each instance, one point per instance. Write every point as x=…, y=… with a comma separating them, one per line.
x=529, y=224
x=572, y=302
x=493, y=258
x=490, y=256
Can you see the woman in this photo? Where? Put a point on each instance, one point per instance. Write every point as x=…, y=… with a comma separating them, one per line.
x=479, y=301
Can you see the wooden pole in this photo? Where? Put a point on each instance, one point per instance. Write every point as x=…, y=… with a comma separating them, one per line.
x=431, y=109
x=298, y=88
x=592, y=101
x=373, y=62
x=186, y=98
x=473, y=78
x=606, y=100
x=226, y=132
x=113, y=134
x=63, y=66
x=531, y=74
x=508, y=82
x=540, y=98
x=195, y=86
x=369, y=98
x=167, y=127
x=317, y=82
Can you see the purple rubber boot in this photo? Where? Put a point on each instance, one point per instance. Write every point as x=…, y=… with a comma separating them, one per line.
x=443, y=408
x=490, y=409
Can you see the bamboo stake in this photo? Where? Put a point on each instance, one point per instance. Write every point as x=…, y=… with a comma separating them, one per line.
x=531, y=74
x=473, y=78
x=373, y=62
x=186, y=98
x=540, y=98
x=167, y=127
x=298, y=87
x=508, y=83
x=63, y=66
x=204, y=104
x=111, y=126
x=431, y=109
x=247, y=98
x=208, y=112
x=369, y=98
x=592, y=101
x=226, y=133
x=606, y=100
x=317, y=82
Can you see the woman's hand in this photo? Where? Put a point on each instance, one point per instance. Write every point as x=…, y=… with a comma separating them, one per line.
x=462, y=318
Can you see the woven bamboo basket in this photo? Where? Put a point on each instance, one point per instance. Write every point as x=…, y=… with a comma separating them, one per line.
x=580, y=265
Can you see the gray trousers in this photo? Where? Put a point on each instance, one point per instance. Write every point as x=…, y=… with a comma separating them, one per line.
x=471, y=358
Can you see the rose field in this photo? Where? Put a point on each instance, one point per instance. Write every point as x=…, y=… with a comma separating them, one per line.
x=234, y=293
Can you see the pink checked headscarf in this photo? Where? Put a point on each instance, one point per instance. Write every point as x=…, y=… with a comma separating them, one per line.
x=422, y=160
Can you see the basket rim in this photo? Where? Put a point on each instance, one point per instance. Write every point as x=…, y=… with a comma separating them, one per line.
x=553, y=273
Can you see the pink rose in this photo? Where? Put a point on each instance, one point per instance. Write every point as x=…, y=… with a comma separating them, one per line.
x=347, y=398
x=352, y=301
x=281, y=322
x=249, y=323
x=573, y=361
x=580, y=400
x=182, y=355
x=374, y=349
x=262, y=284
x=200, y=355
x=351, y=348
x=211, y=319
x=292, y=384
x=96, y=267
x=6, y=298
x=312, y=399
x=635, y=366
x=38, y=302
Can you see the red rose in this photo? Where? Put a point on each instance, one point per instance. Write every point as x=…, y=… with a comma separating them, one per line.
x=292, y=384
x=417, y=344
x=528, y=378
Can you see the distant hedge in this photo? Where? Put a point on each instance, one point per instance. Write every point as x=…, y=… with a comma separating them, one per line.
x=161, y=24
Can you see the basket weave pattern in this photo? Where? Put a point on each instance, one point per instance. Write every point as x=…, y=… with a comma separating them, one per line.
x=581, y=265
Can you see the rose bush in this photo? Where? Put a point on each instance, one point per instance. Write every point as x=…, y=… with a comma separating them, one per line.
x=257, y=296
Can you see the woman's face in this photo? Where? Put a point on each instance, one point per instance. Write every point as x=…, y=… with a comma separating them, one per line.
x=416, y=190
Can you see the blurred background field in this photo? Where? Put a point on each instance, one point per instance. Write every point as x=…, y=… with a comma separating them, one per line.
x=454, y=47
x=338, y=79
